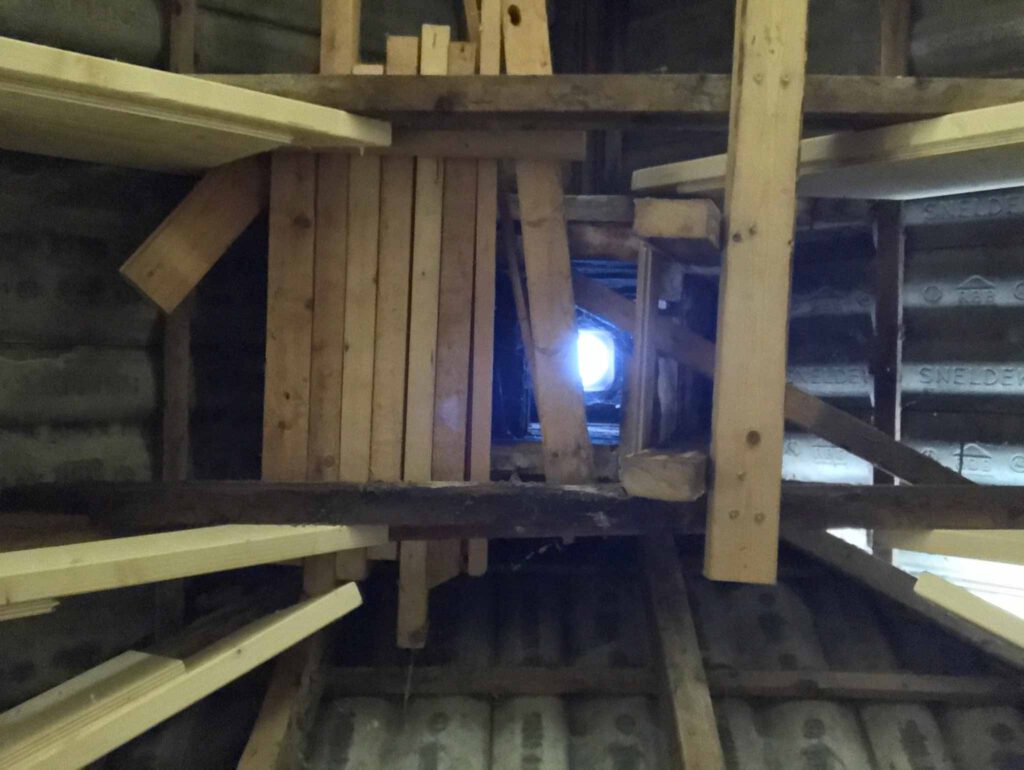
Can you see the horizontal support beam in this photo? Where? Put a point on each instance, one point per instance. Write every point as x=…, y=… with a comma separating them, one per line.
x=595, y=101
x=588, y=680
x=440, y=510
x=995, y=545
x=67, y=570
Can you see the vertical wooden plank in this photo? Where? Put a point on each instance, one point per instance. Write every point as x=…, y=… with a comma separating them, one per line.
x=693, y=715
x=170, y=595
x=328, y=316
x=888, y=353
x=340, y=22
x=750, y=368
x=289, y=316
x=894, y=40
x=397, y=184
x=638, y=422
x=484, y=282
x=568, y=455
x=471, y=9
x=413, y=593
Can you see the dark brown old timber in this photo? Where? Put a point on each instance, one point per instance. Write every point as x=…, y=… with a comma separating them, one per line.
x=503, y=509
x=590, y=101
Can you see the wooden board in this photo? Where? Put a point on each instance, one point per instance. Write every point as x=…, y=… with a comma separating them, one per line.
x=340, y=26
x=687, y=229
x=591, y=101
x=413, y=582
x=671, y=476
x=693, y=716
x=31, y=609
x=975, y=610
x=959, y=153
x=638, y=417
x=750, y=367
x=360, y=318
x=205, y=672
x=83, y=107
x=328, y=350
x=1005, y=546
x=397, y=192
x=67, y=570
x=559, y=393
x=289, y=316
x=181, y=251
x=484, y=287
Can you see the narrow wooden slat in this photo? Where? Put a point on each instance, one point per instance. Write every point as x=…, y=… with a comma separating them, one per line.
x=638, y=420
x=994, y=620
x=750, y=368
x=340, y=25
x=504, y=681
x=568, y=453
x=888, y=349
x=484, y=286
x=205, y=672
x=330, y=280
x=172, y=261
x=689, y=699
x=471, y=11
x=68, y=570
x=1005, y=546
x=289, y=316
x=182, y=48
x=413, y=586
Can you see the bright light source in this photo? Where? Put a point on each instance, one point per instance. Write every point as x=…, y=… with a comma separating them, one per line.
x=596, y=351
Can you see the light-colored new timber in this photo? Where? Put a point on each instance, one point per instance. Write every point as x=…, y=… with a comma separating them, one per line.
x=750, y=366
x=289, y=316
x=205, y=672
x=174, y=259
x=953, y=154
x=568, y=452
x=682, y=228
x=672, y=476
x=44, y=573
x=83, y=107
x=21, y=610
x=413, y=587
x=484, y=282
x=971, y=608
x=1006, y=546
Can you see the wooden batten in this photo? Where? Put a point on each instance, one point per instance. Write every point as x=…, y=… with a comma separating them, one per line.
x=568, y=452
x=975, y=610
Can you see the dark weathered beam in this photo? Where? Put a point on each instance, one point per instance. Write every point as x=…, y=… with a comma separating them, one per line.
x=503, y=509
x=585, y=680
x=592, y=101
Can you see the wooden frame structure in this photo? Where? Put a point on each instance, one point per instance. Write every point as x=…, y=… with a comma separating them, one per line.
x=372, y=241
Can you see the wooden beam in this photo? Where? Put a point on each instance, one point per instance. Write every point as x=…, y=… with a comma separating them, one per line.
x=638, y=418
x=180, y=252
x=894, y=42
x=991, y=545
x=82, y=107
x=559, y=393
x=551, y=144
x=484, y=288
x=67, y=570
x=182, y=36
x=340, y=28
x=680, y=227
x=20, y=610
x=802, y=409
x=204, y=673
x=290, y=281
x=887, y=368
x=617, y=100
x=693, y=717
x=994, y=620
x=505, y=682
x=501, y=509
x=750, y=368
x=899, y=586
x=424, y=320
x=958, y=153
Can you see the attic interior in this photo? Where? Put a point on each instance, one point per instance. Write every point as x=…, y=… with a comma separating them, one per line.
x=492, y=384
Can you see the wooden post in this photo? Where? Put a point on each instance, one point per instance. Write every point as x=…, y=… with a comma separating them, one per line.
x=481, y=405
x=750, y=367
x=693, y=715
x=637, y=424
x=894, y=37
x=170, y=597
x=568, y=455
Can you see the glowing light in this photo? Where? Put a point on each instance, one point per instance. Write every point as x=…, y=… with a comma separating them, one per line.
x=596, y=353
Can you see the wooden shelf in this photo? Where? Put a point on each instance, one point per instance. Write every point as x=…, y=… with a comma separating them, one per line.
x=68, y=105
